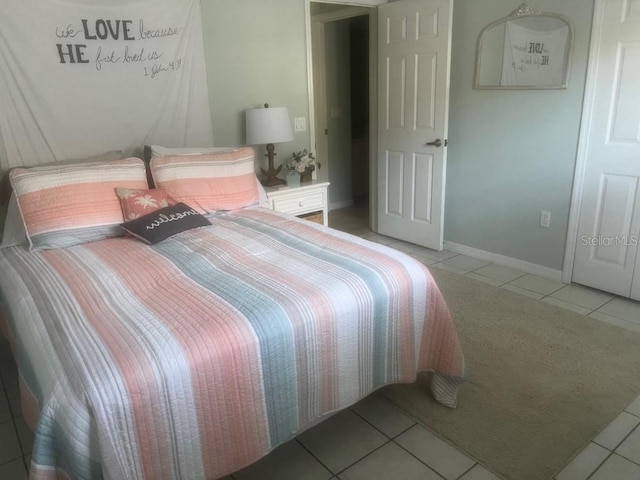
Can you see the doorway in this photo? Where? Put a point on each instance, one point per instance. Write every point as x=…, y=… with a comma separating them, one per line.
x=408, y=102
x=341, y=40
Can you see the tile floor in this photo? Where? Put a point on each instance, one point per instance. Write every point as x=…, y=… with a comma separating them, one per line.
x=373, y=440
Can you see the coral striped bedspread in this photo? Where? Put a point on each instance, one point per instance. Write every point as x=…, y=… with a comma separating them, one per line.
x=195, y=357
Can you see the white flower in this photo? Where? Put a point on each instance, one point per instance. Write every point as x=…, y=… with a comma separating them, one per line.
x=147, y=201
x=302, y=162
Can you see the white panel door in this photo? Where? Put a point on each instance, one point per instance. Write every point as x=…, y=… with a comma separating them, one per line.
x=607, y=244
x=414, y=42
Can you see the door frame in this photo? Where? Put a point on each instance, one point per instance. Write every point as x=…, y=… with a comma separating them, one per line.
x=583, y=142
x=360, y=7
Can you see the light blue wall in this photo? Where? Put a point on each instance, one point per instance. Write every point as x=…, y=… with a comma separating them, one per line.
x=255, y=53
x=512, y=153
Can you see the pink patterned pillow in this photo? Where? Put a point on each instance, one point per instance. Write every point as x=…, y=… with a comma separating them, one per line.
x=138, y=203
x=223, y=180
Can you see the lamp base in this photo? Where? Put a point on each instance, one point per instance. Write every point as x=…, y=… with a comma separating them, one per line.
x=271, y=177
x=272, y=173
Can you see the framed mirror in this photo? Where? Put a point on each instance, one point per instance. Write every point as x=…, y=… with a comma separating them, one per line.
x=527, y=49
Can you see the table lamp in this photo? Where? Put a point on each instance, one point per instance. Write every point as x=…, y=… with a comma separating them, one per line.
x=269, y=125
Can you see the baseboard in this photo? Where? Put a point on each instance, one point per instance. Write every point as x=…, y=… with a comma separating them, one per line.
x=338, y=205
x=528, y=267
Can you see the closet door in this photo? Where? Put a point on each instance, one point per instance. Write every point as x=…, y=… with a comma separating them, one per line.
x=609, y=225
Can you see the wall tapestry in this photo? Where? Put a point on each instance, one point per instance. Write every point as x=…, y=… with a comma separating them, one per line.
x=533, y=57
x=80, y=78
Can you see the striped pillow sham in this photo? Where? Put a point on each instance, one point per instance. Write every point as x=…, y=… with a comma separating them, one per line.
x=67, y=205
x=223, y=180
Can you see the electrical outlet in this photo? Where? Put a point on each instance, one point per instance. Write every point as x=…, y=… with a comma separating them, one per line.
x=545, y=218
x=300, y=124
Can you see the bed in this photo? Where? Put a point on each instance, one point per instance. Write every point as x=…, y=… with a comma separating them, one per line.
x=197, y=355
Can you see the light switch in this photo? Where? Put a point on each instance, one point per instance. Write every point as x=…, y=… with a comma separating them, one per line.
x=300, y=124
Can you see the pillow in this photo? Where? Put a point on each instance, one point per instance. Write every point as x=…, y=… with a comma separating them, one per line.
x=3, y=215
x=136, y=203
x=150, y=151
x=14, y=233
x=262, y=195
x=210, y=182
x=72, y=204
x=164, y=223
x=5, y=186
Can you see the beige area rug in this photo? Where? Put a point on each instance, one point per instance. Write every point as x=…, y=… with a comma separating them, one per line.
x=543, y=381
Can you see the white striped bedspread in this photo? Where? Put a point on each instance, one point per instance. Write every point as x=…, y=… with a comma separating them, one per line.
x=193, y=358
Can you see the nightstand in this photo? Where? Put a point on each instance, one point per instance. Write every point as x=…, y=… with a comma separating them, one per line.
x=308, y=201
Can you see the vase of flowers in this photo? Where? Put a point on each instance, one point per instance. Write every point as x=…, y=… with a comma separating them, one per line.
x=302, y=162
x=293, y=178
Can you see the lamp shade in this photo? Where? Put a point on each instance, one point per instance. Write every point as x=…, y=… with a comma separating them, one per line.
x=268, y=125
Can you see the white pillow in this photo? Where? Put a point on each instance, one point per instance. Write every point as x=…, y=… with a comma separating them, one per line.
x=3, y=215
x=262, y=193
x=14, y=233
x=158, y=151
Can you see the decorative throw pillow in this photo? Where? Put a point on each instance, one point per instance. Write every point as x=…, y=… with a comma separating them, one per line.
x=164, y=223
x=137, y=203
x=67, y=205
x=216, y=181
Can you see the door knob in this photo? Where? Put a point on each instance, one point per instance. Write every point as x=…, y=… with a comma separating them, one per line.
x=436, y=143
